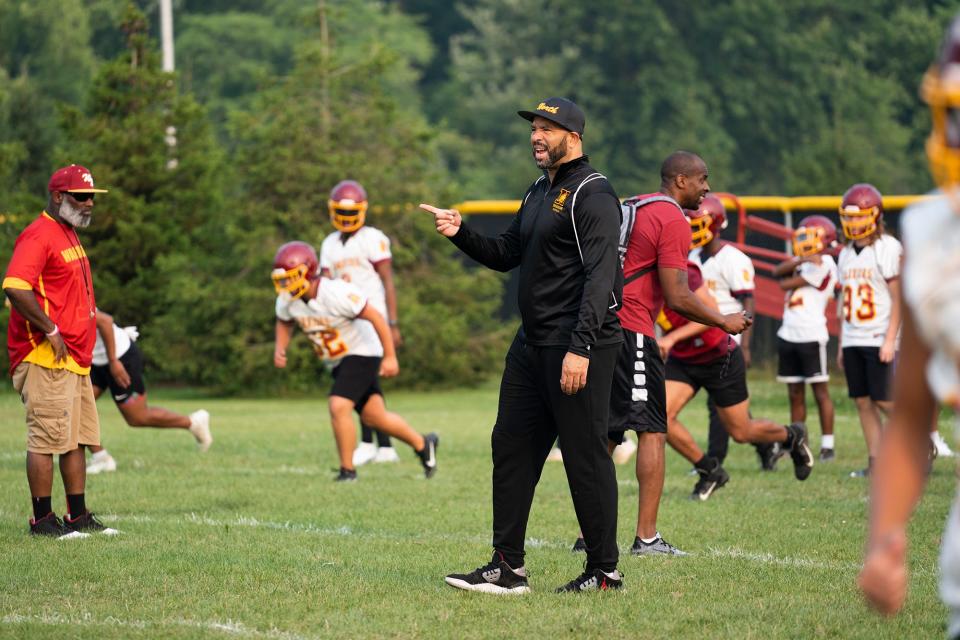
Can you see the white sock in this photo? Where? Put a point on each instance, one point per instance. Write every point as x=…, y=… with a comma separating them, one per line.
x=650, y=540
x=100, y=455
x=826, y=441
x=935, y=434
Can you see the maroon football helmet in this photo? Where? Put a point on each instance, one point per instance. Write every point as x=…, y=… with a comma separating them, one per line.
x=814, y=235
x=860, y=211
x=294, y=266
x=348, y=206
x=707, y=221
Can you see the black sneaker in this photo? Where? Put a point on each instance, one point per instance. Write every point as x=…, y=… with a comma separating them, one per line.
x=87, y=523
x=495, y=577
x=826, y=455
x=593, y=580
x=428, y=455
x=49, y=525
x=659, y=547
x=579, y=546
x=860, y=473
x=800, y=451
x=346, y=475
x=769, y=454
x=709, y=481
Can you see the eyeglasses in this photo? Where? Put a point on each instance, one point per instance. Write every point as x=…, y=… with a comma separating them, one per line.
x=80, y=197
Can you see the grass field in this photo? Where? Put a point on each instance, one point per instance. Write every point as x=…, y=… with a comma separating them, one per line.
x=253, y=540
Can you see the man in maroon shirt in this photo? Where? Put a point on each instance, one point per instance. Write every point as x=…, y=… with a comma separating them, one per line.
x=655, y=271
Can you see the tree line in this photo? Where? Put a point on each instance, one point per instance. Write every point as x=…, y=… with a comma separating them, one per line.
x=274, y=102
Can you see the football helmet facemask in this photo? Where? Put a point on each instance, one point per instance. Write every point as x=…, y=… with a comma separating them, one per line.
x=814, y=235
x=294, y=267
x=348, y=206
x=707, y=221
x=860, y=211
x=941, y=91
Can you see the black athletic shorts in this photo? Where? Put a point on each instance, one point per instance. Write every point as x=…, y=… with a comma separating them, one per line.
x=132, y=361
x=357, y=378
x=638, y=398
x=725, y=378
x=866, y=375
x=802, y=362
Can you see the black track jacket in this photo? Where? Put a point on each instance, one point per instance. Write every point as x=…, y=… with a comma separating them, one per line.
x=565, y=300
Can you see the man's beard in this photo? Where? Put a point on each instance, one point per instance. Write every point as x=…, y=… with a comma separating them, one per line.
x=554, y=155
x=74, y=216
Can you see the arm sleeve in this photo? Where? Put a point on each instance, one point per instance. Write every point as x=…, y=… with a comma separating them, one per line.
x=889, y=258
x=598, y=228
x=741, y=277
x=500, y=254
x=378, y=247
x=26, y=264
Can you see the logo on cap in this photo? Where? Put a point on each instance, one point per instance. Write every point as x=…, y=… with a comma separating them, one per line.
x=543, y=106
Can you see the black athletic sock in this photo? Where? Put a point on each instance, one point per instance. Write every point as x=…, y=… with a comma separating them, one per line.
x=76, y=505
x=383, y=440
x=704, y=463
x=791, y=439
x=366, y=434
x=41, y=507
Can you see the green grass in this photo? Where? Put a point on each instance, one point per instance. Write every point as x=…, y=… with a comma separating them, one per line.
x=254, y=540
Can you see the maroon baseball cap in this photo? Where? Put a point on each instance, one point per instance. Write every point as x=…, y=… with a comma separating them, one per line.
x=73, y=178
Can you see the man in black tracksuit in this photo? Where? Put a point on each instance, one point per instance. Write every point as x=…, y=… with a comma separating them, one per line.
x=564, y=239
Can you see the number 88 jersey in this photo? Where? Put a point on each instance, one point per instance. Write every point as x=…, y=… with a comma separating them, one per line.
x=330, y=321
x=865, y=303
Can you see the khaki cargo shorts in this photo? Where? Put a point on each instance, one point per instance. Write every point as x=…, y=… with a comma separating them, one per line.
x=61, y=409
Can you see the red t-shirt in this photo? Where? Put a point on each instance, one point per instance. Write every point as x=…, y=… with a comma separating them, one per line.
x=49, y=260
x=702, y=348
x=661, y=235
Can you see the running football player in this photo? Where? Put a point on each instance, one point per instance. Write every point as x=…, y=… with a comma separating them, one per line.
x=353, y=340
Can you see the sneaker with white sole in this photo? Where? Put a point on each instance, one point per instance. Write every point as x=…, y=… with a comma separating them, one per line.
x=593, y=580
x=942, y=448
x=200, y=428
x=710, y=480
x=364, y=453
x=428, y=455
x=87, y=523
x=496, y=577
x=659, y=547
x=624, y=452
x=386, y=454
x=50, y=526
x=101, y=462
x=800, y=451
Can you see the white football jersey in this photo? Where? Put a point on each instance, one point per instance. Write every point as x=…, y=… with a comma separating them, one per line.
x=931, y=290
x=354, y=262
x=329, y=321
x=804, y=319
x=865, y=301
x=726, y=273
x=121, y=342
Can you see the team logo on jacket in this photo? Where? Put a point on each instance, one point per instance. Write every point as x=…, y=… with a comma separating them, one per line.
x=560, y=201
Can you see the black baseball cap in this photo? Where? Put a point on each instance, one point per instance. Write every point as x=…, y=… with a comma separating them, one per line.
x=559, y=110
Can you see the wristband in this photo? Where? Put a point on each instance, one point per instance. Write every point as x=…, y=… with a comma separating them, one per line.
x=55, y=331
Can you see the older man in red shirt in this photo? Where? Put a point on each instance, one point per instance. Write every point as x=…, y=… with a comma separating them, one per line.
x=50, y=341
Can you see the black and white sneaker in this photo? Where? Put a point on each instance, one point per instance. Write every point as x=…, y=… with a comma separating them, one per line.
x=769, y=454
x=826, y=455
x=87, y=523
x=593, y=580
x=659, y=547
x=51, y=526
x=709, y=481
x=496, y=577
x=579, y=546
x=346, y=475
x=428, y=455
x=800, y=451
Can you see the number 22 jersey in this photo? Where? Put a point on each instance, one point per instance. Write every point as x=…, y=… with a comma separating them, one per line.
x=866, y=303
x=330, y=321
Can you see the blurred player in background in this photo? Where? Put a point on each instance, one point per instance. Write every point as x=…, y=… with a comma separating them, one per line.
x=928, y=371
x=118, y=366
x=869, y=266
x=729, y=276
x=809, y=278
x=700, y=356
x=353, y=340
x=360, y=255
